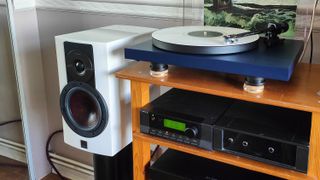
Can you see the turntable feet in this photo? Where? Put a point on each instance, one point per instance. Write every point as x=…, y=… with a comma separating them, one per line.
x=254, y=84
x=158, y=70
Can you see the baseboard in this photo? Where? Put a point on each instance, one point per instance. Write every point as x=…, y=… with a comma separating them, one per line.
x=67, y=167
x=13, y=150
x=72, y=169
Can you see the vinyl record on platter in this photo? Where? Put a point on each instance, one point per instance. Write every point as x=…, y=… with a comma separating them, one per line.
x=203, y=40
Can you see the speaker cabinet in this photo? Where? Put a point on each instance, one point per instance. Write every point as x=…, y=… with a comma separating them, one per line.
x=95, y=104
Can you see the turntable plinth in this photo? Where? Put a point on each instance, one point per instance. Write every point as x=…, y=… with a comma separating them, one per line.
x=276, y=62
x=301, y=93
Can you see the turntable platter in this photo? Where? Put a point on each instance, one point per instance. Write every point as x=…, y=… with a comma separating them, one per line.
x=203, y=40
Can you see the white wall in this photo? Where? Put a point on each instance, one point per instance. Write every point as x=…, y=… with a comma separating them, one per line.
x=9, y=105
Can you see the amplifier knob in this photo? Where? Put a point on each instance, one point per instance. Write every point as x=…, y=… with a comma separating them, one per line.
x=191, y=132
x=271, y=150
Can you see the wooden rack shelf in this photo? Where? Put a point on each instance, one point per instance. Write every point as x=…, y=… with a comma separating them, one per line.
x=301, y=93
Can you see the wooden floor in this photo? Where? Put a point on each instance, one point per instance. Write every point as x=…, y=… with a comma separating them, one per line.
x=51, y=177
x=13, y=170
x=10, y=169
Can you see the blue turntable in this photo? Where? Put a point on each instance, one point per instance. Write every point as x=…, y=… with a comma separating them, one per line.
x=256, y=62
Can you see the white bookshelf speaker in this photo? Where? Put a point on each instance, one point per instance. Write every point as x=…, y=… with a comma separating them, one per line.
x=95, y=104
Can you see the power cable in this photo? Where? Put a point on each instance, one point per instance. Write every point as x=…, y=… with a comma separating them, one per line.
x=311, y=49
x=9, y=122
x=48, y=156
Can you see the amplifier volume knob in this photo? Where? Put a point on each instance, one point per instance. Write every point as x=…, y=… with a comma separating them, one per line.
x=191, y=132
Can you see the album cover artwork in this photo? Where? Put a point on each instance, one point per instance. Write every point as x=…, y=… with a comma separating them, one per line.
x=250, y=14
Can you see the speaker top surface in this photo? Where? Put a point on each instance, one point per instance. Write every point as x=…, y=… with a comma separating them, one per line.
x=106, y=34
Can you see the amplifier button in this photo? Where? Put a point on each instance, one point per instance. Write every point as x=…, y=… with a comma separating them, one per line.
x=245, y=143
x=230, y=140
x=271, y=150
x=153, y=117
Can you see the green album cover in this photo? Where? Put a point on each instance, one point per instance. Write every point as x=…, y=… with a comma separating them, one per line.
x=250, y=14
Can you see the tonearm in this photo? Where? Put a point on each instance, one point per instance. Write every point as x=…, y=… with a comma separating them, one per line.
x=271, y=34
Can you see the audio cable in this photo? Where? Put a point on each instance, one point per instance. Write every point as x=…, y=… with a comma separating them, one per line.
x=48, y=156
x=9, y=122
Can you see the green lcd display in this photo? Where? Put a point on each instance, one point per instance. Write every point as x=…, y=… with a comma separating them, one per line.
x=179, y=126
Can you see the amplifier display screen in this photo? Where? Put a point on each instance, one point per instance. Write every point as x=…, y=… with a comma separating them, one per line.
x=179, y=126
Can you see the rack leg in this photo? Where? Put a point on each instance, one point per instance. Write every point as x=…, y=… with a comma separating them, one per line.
x=141, y=159
x=140, y=96
x=141, y=150
x=314, y=151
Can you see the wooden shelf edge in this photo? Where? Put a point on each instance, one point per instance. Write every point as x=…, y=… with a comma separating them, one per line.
x=225, y=158
x=300, y=93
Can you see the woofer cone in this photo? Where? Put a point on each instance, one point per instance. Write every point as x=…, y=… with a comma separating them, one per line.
x=83, y=109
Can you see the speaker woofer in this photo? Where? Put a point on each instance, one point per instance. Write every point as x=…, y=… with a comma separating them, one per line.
x=83, y=109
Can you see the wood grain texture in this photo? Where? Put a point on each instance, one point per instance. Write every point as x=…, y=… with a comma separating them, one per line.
x=225, y=158
x=11, y=169
x=314, y=151
x=140, y=96
x=51, y=176
x=299, y=93
x=141, y=158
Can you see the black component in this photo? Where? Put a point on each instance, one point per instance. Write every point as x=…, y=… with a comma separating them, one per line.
x=265, y=133
x=158, y=67
x=272, y=34
x=193, y=113
x=175, y=165
x=84, y=109
x=79, y=63
x=254, y=81
x=48, y=155
x=84, y=144
x=118, y=167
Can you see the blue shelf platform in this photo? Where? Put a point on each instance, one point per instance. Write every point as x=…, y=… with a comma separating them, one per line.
x=277, y=62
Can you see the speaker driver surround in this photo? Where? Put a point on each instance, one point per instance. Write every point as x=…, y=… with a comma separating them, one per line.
x=84, y=109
